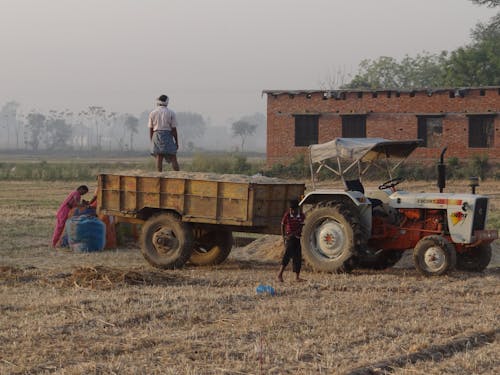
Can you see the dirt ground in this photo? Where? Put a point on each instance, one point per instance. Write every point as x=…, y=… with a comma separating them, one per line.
x=111, y=313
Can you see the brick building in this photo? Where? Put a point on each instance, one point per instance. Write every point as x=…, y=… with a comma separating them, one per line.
x=465, y=119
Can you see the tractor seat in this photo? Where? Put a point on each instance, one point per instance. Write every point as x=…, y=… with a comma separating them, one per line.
x=356, y=185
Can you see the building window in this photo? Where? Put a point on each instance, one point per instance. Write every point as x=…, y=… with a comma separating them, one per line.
x=430, y=130
x=481, y=131
x=354, y=126
x=306, y=130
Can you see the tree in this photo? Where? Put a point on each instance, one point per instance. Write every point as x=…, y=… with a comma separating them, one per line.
x=243, y=129
x=8, y=119
x=97, y=116
x=477, y=64
x=58, y=133
x=424, y=70
x=34, y=127
x=489, y=3
x=131, y=124
x=191, y=126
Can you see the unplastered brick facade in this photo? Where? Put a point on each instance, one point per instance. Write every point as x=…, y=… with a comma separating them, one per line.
x=465, y=120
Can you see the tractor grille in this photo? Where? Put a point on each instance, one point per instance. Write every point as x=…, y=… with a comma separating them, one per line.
x=480, y=214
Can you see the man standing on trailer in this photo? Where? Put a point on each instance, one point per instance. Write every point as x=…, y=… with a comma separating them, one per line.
x=163, y=134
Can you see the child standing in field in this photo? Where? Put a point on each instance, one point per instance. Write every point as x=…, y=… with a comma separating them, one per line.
x=291, y=230
x=71, y=201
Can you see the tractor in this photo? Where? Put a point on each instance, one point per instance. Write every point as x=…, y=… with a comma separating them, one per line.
x=353, y=228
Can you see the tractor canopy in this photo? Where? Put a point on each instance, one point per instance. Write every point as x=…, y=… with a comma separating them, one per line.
x=363, y=149
x=358, y=151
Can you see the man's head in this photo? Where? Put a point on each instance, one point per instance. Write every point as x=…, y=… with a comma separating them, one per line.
x=83, y=189
x=162, y=100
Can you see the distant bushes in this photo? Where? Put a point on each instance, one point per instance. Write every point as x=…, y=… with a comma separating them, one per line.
x=298, y=168
x=46, y=171
x=232, y=163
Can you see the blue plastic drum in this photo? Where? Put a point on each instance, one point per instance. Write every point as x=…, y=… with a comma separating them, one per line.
x=86, y=233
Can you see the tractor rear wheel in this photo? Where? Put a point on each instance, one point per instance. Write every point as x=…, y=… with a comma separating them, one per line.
x=434, y=256
x=211, y=247
x=475, y=259
x=329, y=238
x=166, y=242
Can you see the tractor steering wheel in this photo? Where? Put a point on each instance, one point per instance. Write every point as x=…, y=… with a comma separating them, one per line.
x=390, y=184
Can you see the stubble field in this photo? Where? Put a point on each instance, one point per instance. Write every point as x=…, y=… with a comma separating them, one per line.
x=111, y=313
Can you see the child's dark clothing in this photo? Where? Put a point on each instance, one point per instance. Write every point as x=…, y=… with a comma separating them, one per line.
x=293, y=227
x=293, y=251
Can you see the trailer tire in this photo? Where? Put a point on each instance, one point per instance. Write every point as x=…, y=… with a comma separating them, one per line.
x=166, y=242
x=211, y=247
x=475, y=259
x=434, y=256
x=329, y=238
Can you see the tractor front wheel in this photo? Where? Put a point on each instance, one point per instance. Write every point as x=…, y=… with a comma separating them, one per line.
x=475, y=259
x=434, y=256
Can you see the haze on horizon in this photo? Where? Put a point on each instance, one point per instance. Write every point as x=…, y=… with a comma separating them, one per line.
x=211, y=57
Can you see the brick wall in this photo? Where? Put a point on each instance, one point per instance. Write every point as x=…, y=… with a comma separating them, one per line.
x=389, y=114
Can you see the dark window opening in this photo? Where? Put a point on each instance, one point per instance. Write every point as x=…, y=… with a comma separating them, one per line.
x=430, y=130
x=398, y=94
x=482, y=92
x=354, y=126
x=374, y=94
x=306, y=130
x=481, y=131
x=451, y=94
x=360, y=95
x=388, y=94
x=412, y=94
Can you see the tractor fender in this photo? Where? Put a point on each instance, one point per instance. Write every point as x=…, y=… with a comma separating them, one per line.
x=354, y=199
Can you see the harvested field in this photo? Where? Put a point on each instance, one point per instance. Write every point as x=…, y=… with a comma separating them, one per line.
x=111, y=313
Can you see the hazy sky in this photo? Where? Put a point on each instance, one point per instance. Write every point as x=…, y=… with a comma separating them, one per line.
x=210, y=56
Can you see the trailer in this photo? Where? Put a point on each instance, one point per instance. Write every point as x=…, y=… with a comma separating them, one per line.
x=191, y=216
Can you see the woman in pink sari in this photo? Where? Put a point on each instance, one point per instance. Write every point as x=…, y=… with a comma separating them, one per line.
x=72, y=201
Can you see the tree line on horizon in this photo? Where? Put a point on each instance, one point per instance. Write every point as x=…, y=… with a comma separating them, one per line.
x=96, y=129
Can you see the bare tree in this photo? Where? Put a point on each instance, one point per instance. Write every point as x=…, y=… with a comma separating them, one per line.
x=243, y=129
x=57, y=131
x=34, y=127
x=97, y=116
x=131, y=124
x=8, y=119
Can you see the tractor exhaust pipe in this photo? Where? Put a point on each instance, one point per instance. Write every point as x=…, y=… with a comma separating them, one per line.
x=442, y=171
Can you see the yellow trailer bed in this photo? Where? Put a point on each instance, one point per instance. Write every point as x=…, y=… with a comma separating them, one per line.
x=203, y=208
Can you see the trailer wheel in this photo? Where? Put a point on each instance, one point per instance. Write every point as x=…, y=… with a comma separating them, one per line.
x=166, y=242
x=434, y=256
x=380, y=261
x=211, y=247
x=475, y=259
x=329, y=237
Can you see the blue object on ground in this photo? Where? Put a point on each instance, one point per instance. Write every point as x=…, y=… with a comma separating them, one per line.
x=265, y=289
x=86, y=233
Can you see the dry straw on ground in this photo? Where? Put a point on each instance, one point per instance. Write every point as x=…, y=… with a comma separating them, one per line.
x=110, y=313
